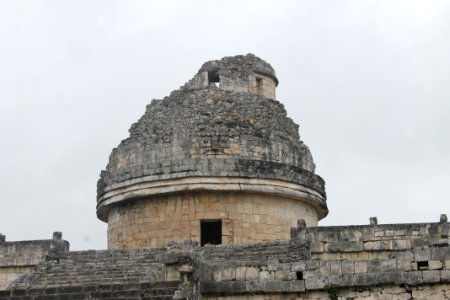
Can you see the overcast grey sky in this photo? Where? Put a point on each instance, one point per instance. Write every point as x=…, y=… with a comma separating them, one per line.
x=368, y=82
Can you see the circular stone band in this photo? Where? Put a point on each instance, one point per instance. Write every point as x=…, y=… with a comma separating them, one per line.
x=135, y=189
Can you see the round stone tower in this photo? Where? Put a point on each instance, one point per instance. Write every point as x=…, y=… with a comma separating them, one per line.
x=217, y=161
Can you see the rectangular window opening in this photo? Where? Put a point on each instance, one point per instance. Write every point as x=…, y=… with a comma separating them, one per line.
x=422, y=265
x=259, y=85
x=214, y=78
x=210, y=232
x=299, y=275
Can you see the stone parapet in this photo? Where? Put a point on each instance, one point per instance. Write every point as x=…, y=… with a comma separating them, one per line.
x=373, y=241
x=19, y=257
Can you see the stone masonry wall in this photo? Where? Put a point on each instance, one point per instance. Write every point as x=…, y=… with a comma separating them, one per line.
x=364, y=242
x=272, y=270
x=258, y=84
x=246, y=218
x=415, y=257
x=387, y=292
x=242, y=74
x=17, y=258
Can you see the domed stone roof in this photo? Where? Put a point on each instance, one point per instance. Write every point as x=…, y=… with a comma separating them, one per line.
x=224, y=123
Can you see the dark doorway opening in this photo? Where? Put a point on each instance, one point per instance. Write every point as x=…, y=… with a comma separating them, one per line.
x=213, y=78
x=210, y=232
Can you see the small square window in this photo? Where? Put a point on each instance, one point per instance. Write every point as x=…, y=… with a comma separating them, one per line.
x=422, y=265
x=210, y=232
x=214, y=78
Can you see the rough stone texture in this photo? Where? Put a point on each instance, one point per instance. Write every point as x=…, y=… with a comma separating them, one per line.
x=363, y=242
x=17, y=258
x=388, y=292
x=212, y=132
x=233, y=133
x=248, y=218
x=228, y=152
x=279, y=269
x=247, y=74
x=97, y=268
x=154, y=290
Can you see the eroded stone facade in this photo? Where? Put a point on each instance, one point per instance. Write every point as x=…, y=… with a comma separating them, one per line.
x=272, y=270
x=223, y=131
x=222, y=149
x=18, y=258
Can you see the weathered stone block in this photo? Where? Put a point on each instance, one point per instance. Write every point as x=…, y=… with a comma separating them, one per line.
x=400, y=245
x=373, y=266
x=273, y=286
x=218, y=275
x=316, y=248
x=284, y=266
x=440, y=253
x=266, y=275
x=400, y=232
x=413, y=278
x=284, y=286
x=229, y=274
x=431, y=276
x=388, y=265
x=404, y=255
x=434, y=264
x=379, y=233
x=376, y=246
x=311, y=274
x=332, y=247
x=421, y=254
x=254, y=286
x=312, y=264
x=403, y=265
x=252, y=273
x=335, y=267
x=445, y=276
x=366, y=279
x=298, y=266
x=360, y=267
x=419, y=242
x=348, y=267
x=389, y=232
x=240, y=273
x=351, y=246
x=272, y=264
x=284, y=275
x=367, y=233
x=324, y=269
x=345, y=280
x=447, y=264
x=314, y=283
x=391, y=277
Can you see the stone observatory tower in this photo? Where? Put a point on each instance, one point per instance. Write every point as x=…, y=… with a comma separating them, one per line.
x=217, y=161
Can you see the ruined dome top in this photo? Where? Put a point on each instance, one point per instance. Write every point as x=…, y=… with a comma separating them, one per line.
x=205, y=134
x=240, y=66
